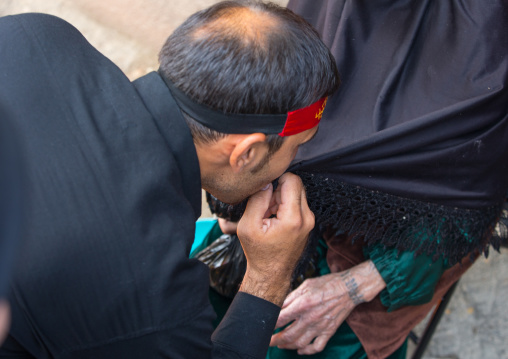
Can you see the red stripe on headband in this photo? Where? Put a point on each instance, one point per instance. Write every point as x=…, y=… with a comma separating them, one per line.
x=304, y=118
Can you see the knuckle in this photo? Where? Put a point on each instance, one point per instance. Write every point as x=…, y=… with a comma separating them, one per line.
x=315, y=317
x=288, y=338
x=300, y=343
x=306, y=286
x=242, y=232
x=295, y=223
x=282, y=318
x=310, y=216
x=311, y=222
x=295, y=177
x=294, y=181
x=319, y=346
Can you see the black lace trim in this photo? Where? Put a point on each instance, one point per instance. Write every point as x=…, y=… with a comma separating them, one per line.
x=407, y=225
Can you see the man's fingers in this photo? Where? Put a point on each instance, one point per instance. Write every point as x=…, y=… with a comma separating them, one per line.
x=306, y=212
x=303, y=200
x=290, y=186
x=290, y=191
x=274, y=204
x=257, y=207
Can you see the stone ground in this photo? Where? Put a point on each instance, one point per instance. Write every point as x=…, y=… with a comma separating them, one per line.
x=475, y=324
x=130, y=32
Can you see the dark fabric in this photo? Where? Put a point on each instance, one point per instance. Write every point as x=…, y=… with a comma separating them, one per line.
x=411, y=154
x=422, y=115
x=259, y=328
x=10, y=199
x=227, y=264
x=114, y=187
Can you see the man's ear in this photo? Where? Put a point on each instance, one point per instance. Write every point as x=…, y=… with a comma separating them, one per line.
x=248, y=151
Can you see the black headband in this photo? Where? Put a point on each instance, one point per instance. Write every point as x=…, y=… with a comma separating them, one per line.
x=224, y=122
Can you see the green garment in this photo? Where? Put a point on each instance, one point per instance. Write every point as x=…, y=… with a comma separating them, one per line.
x=409, y=280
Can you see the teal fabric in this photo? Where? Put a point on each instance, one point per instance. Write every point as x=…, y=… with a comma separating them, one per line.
x=322, y=264
x=207, y=230
x=410, y=279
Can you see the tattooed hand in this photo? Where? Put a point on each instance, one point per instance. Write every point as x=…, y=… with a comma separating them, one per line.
x=319, y=306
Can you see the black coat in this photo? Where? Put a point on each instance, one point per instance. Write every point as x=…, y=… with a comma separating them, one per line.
x=113, y=194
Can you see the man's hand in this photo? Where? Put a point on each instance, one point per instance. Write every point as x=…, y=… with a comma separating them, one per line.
x=273, y=232
x=320, y=305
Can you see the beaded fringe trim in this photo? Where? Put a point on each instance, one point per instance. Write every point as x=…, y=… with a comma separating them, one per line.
x=405, y=224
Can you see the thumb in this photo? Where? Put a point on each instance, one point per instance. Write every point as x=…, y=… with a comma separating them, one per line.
x=257, y=206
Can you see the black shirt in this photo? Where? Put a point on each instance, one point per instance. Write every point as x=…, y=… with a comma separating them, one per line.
x=114, y=192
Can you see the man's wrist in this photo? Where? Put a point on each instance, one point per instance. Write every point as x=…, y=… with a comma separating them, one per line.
x=273, y=286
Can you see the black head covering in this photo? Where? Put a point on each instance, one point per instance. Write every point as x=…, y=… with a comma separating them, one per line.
x=413, y=149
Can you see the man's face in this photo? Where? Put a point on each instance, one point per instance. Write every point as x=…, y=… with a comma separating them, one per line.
x=236, y=188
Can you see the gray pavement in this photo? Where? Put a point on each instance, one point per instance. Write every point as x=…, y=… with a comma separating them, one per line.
x=475, y=324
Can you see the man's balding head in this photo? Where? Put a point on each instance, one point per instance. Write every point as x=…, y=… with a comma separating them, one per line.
x=250, y=25
x=248, y=57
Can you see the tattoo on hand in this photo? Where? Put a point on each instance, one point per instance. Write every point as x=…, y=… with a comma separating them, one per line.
x=352, y=287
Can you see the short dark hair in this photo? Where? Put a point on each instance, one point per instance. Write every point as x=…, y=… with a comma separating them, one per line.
x=223, y=58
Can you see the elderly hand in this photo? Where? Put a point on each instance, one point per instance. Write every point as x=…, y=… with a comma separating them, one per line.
x=227, y=227
x=5, y=317
x=320, y=305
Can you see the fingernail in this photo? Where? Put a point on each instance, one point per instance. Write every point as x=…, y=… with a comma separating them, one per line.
x=266, y=187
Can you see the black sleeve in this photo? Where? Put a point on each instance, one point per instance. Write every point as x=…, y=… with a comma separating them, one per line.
x=244, y=332
x=246, y=329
